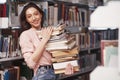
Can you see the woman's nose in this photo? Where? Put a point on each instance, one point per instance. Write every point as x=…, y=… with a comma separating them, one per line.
x=33, y=17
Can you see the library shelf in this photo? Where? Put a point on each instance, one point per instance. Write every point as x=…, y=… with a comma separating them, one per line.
x=79, y=73
x=11, y=59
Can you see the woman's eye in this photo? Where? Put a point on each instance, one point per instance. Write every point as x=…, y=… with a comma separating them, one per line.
x=28, y=16
x=36, y=13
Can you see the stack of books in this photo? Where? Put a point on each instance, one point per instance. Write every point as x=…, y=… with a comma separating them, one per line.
x=63, y=49
x=61, y=58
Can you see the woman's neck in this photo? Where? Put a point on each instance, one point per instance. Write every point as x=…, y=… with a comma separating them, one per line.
x=37, y=29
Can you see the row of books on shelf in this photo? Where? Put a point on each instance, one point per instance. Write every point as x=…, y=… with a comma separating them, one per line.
x=92, y=38
x=91, y=3
x=9, y=47
x=11, y=73
x=88, y=62
x=58, y=13
x=4, y=10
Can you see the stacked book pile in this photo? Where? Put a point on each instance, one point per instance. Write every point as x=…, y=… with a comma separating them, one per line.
x=63, y=49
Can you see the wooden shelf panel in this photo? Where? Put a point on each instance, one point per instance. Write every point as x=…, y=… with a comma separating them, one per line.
x=77, y=74
x=10, y=59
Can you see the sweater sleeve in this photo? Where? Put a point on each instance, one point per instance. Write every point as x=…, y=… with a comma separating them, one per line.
x=27, y=49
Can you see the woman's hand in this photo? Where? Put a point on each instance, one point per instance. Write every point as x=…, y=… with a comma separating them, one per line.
x=69, y=69
x=46, y=33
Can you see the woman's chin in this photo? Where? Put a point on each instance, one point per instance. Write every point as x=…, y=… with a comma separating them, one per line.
x=36, y=26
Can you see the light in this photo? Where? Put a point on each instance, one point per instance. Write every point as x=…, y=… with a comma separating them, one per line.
x=106, y=16
x=2, y=1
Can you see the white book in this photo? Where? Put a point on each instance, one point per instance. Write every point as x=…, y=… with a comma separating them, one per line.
x=61, y=47
x=62, y=65
x=50, y=15
x=55, y=14
x=1, y=75
x=57, y=37
x=61, y=40
x=44, y=7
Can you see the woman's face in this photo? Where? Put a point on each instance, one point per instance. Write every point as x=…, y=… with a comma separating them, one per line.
x=33, y=17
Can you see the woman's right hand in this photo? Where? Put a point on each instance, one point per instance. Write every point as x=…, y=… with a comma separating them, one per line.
x=69, y=69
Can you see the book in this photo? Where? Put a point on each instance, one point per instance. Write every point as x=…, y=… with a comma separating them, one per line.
x=58, y=67
x=57, y=30
x=109, y=49
x=59, y=27
x=69, y=45
x=55, y=14
x=44, y=6
x=12, y=73
x=57, y=37
x=59, y=71
x=63, y=40
x=1, y=75
x=3, y=22
x=65, y=58
x=61, y=53
x=50, y=14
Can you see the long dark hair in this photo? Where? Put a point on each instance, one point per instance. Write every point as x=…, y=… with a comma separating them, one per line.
x=23, y=22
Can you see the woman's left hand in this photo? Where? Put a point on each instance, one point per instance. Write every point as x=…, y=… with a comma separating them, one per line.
x=46, y=32
x=69, y=69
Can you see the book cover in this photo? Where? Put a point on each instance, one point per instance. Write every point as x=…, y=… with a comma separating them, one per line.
x=63, y=40
x=11, y=73
x=50, y=15
x=109, y=48
x=62, y=46
x=60, y=69
x=65, y=58
x=1, y=75
x=61, y=53
x=44, y=6
x=57, y=30
x=57, y=37
x=55, y=14
x=6, y=75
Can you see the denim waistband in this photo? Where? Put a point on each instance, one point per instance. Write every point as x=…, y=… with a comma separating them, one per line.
x=46, y=66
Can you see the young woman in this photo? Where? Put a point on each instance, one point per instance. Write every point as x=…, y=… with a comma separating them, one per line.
x=33, y=47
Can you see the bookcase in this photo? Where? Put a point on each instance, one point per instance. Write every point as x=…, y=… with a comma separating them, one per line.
x=11, y=60
x=76, y=17
x=109, y=48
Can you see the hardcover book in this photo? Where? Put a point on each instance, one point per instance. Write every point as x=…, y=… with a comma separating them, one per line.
x=61, y=69
x=109, y=49
x=69, y=45
x=63, y=53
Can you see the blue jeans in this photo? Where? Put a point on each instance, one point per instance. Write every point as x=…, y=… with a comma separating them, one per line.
x=44, y=74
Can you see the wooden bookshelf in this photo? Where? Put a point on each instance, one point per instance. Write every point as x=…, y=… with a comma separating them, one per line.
x=77, y=74
x=11, y=59
x=74, y=29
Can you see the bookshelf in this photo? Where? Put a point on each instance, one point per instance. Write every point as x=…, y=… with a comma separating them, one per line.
x=76, y=75
x=111, y=22
x=76, y=24
x=9, y=52
x=10, y=59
